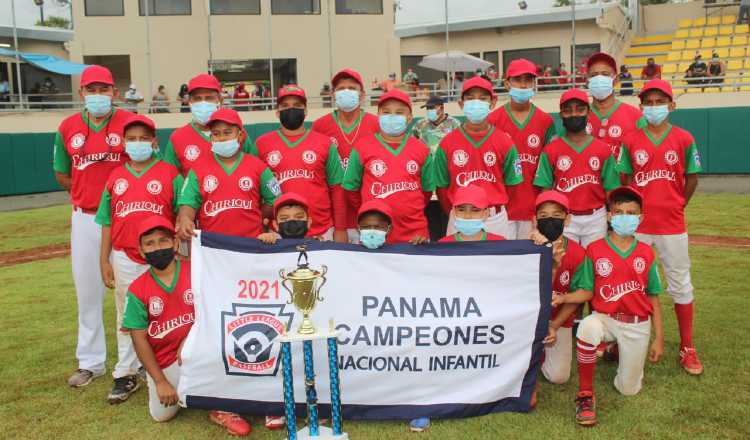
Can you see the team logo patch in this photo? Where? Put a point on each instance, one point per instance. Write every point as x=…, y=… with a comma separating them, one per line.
x=565, y=278
x=603, y=267
x=113, y=139
x=344, y=163
x=533, y=140
x=273, y=158
x=589, y=128
x=412, y=167
x=192, y=152
x=187, y=297
x=639, y=264
x=697, y=158
x=517, y=167
x=77, y=140
x=641, y=157
x=210, y=183
x=274, y=187
x=460, y=158
x=155, y=306
x=378, y=168
x=671, y=157
x=490, y=159
x=595, y=163
x=121, y=185
x=246, y=183
x=154, y=187
x=249, y=338
x=309, y=157
x=615, y=131
x=335, y=142
x=564, y=163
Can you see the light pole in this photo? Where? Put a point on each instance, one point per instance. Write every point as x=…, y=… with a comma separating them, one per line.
x=40, y=3
x=573, y=37
x=18, y=55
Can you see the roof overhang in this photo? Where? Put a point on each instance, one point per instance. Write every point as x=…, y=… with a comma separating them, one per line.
x=38, y=33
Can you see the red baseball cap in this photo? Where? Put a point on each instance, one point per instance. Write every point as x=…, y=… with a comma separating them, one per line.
x=477, y=81
x=153, y=222
x=347, y=73
x=287, y=199
x=226, y=115
x=397, y=95
x=625, y=190
x=139, y=119
x=572, y=94
x=291, y=90
x=602, y=56
x=375, y=205
x=471, y=195
x=657, y=84
x=553, y=196
x=519, y=67
x=204, y=81
x=96, y=74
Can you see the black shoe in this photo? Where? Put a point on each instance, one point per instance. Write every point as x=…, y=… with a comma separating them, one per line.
x=142, y=373
x=123, y=388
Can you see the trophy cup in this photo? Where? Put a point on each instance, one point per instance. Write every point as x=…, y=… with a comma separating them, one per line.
x=305, y=293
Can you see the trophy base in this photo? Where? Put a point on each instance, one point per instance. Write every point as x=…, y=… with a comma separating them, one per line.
x=324, y=433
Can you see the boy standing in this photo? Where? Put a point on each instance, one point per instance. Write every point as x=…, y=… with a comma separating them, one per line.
x=470, y=211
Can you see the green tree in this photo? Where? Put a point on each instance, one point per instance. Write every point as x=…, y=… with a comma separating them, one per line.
x=53, y=21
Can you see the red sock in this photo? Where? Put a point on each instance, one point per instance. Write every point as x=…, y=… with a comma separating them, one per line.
x=586, y=355
x=684, y=314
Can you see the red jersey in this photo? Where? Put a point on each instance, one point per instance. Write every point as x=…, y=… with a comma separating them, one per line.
x=130, y=196
x=228, y=199
x=583, y=173
x=659, y=168
x=397, y=174
x=487, y=236
x=165, y=312
x=615, y=125
x=490, y=162
x=620, y=280
x=344, y=138
x=529, y=137
x=187, y=145
x=307, y=165
x=88, y=153
x=567, y=276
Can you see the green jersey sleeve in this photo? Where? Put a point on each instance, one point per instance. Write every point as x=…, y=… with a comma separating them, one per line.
x=550, y=134
x=512, y=172
x=104, y=212
x=177, y=184
x=623, y=162
x=585, y=272
x=249, y=147
x=334, y=171
x=440, y=172
x=545, y=177
x=610, y=176
x=270, y=189
x=428, y=174
x=135, y=316
x=169, y=156
x=641, y=122
x=353, y=173
x=190, y=193
x=61, y=160
x=575, y=282
x=693, y=160
x=654, y=282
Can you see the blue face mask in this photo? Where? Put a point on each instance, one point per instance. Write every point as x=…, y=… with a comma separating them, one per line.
x=98, y=105
x=347, y=100
x=392, y=125
x=476, y=110
x=202, y=111
x=432, y=115
x=139, y=151
x=468, y=226
x=601, y=86
x=656, y=114
x=521, y=96
x=625, y=225
x=225, y=148
x=372, y=238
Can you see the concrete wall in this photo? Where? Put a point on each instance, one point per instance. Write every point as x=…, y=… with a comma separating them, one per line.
x=665, y=18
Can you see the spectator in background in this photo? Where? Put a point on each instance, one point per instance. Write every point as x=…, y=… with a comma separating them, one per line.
x=545, y=81
x=4, y=91
x=493, y=74
x=160, y=101
x=411, y=78
x=325, y=95
x=132, y=98
x=241, y=98
x=458, y=82
x=697, y=69
x=581, y=73
x=626, y=81
x=390, y=84
x=716, y=69
x=183, y=97
x=744, y=12
x=563, y=74
x=651, y=70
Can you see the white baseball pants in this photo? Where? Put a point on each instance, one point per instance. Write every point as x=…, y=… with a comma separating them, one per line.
x=126, y=271
x=159, y=412
x=558, y=357
x=585, y=229
x=672, y=251
x=519, y=230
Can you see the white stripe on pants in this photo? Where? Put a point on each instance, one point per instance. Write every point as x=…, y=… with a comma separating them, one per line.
x=673, y=254
x=519, y=230
x=496, y=223
x=585, y=229
x=558, y=357
x=85, y=241
x=159, y=412
x=126, y=271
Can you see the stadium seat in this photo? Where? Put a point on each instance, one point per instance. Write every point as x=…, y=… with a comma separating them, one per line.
x=683, y=67
x=682, y=33
x=700, y=21
x=688, y=55
x=739, y=40
x=678, y=44
x=727, y=89
x=674, y=56
x=712, y=90
x=736, y=52
x=705, y=53
x=711, y=31
x=696, y=32
x=726, y=30
x=685, y=23
x=713, y=21
x=745, y=89
x=723, y=41
x=747, y=65
x=729, y=19
x=694, y=90
x=742, y=29
x=669, y=69
x=723, y=52
x=734, y=65
x=708, y=43
x=692, y=44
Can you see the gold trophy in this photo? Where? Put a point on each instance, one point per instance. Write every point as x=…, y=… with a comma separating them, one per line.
x=305, y=289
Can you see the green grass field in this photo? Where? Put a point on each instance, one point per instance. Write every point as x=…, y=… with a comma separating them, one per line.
x=38, y=336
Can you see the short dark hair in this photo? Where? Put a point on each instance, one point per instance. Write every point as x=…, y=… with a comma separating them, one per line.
x=379, y=214
x=158, y=228
x=140, y=124
x=624, y=197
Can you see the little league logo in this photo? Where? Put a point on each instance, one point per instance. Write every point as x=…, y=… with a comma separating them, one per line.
x=274, y=187
x=615, y=131
x=187, y=297
x=113, y=139
x=210, y=183
x=533, y=141
x=603, y=267
x=490, y=159
x=460, y=158
x=641, y=157
x=335, y=142
x=412, y=167
x=249, y=334
x=564, y=163
x=697, y=158
x=671, y=157
x=273, y=158
x=639, y=264
x=155, y=306
x=154, y=187
x=565, y=278
x=378, y=168
x=589, y=128
x=309, y=157
x=246, y=183
x=192, y=152
x=121, y=185
x=77, y=141
x=595, y=163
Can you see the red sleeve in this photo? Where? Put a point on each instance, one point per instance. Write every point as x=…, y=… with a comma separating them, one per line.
x=445, y=202
x=427, y=197
x=338, y=203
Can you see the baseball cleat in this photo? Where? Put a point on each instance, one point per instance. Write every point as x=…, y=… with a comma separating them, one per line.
x=123, y=388
x=585, y=408
x=690, y=362
x=234, y=424
x=82, y=377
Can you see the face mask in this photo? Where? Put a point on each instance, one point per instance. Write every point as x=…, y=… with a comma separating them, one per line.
x=468, y=226
x=202, y=111
x=292, y=118
x=392, y=125
x=372, y=238
x=225, y=148
x=656, y=114
x=600, y=86
x=293, y=229
x=551, y=228
x=476, y=111
x=521, y=96
x=575, y=124
x=347, y=100
x=139, y=151
x=625, y=225
x=161, y=258
x=432, y=115
x=98, y=105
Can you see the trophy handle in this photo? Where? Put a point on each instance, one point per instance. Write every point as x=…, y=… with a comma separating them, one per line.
x=323, y=271
x=284, y=279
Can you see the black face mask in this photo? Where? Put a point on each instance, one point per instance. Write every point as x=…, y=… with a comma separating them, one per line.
x=575, y=124
x=552, y=228
x=161, y=258
x=292, y=118
x=293, y=229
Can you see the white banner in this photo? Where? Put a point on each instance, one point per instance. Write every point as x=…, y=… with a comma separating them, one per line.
x=443, y=330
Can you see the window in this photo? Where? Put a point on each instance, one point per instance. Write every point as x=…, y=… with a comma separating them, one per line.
x=426, y=76
x=492, y=57
x=584, y=51
x=475, y=54
x=256, y=70
x=359, y=6
x=295, y=7
x=165, y=7
x=540, y=56
x=235, y=7
x=103, y=8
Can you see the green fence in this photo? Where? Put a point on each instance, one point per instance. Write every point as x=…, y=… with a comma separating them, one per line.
x=724, y=146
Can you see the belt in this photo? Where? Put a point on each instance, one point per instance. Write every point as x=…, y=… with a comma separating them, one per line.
x=84, y=210
x=628, y=319
x=585, y=211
